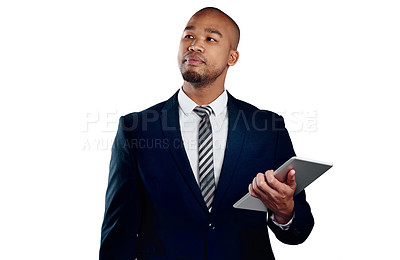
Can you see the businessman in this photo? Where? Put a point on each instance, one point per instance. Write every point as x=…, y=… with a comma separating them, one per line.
x=178, y=167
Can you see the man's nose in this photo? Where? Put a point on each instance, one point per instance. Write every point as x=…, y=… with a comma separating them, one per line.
x=196, y=46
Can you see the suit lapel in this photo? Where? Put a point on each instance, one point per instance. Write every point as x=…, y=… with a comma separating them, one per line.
x=171, y=130
x=236, y=130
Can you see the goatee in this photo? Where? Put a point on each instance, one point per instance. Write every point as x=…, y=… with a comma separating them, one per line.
x=192, y=77
x=199, y=80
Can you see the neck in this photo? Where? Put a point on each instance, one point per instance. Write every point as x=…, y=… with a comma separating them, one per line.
x=204, y=94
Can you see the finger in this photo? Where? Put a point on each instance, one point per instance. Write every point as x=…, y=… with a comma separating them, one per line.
x=252, y=193
x=291, y=179
x=263, y=187
x=270, y=171
x=260, y=180
x=255, y=185
x=273, y=182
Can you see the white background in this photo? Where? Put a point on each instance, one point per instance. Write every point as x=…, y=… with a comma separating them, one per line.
x=69, y=69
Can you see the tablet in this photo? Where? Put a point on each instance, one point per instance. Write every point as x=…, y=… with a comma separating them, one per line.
x=307, y=171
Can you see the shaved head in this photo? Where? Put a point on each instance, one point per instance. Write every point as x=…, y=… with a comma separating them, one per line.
x=234, y=27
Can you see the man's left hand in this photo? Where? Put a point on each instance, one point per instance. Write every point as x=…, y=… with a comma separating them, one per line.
x=275, y=195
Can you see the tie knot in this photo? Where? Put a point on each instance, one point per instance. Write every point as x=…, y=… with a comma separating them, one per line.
x=202, y=111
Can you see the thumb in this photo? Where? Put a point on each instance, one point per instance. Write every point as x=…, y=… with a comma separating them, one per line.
x=291, y=179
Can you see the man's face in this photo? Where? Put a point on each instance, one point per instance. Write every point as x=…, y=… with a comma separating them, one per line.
x=205, y=48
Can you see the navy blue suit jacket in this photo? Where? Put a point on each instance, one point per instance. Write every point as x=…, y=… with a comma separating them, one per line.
x=154, y=207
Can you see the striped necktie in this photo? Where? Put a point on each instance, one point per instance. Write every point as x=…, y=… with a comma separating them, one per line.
x=206, y=167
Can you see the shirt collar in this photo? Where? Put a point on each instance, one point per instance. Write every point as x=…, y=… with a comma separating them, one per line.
x=187, y=105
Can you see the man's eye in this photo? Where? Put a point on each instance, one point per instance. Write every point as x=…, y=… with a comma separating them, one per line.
x=211, y=39
x=188, y=36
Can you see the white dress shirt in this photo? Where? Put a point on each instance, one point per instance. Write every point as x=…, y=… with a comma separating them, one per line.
x=189, y=123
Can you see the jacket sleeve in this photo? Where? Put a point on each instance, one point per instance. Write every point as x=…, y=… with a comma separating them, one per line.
x=303, y=221
x=122, y=209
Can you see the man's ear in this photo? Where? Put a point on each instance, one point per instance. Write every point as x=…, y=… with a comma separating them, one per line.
x=233, y=58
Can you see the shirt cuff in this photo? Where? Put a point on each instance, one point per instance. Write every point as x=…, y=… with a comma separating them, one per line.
x=282, y=226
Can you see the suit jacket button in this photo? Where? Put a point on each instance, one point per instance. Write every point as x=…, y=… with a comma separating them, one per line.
x=211, y=226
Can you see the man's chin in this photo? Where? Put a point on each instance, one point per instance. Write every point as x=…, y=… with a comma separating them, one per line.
x=192, y=76
x=197, y=79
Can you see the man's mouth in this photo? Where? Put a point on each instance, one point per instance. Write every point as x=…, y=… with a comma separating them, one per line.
x=194, y=60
